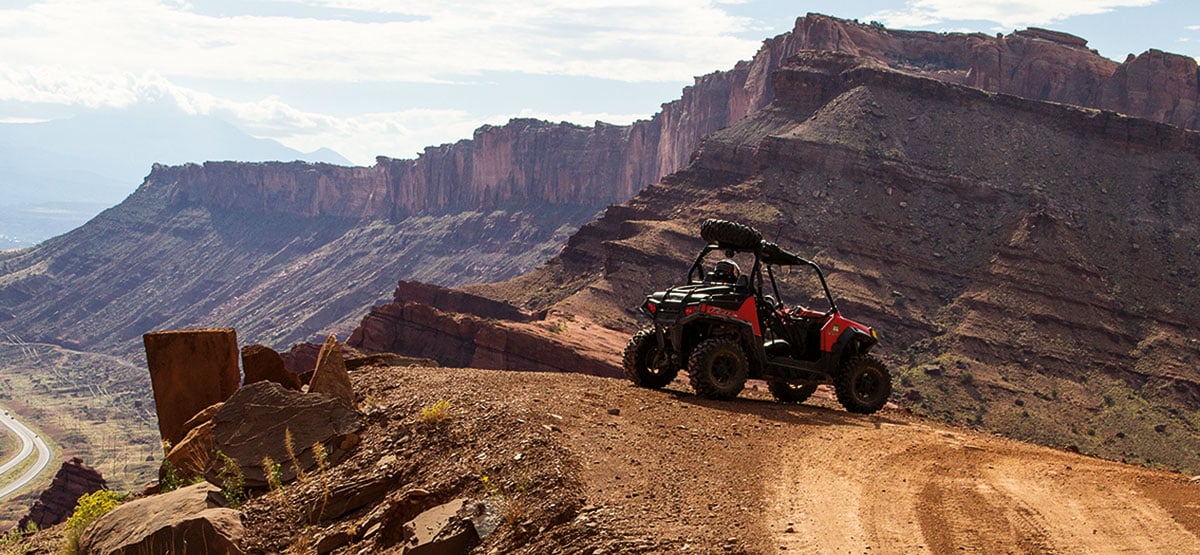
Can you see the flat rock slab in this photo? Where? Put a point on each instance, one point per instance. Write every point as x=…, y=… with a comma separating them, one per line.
x=255, y=422
x=190, y=370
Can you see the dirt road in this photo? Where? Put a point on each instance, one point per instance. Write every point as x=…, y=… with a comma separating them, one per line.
x=891, y=486
x=759, y=477
x=598, y=466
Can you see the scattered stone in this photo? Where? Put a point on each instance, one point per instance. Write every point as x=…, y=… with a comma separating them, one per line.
x=614, y=411
x=240, y=433
x=350, y=496
x=190, y=370
x=388, y=359
x=440, y=531
x=188, y=520
x=73, y=480
x=333, y=541
x=1161, y=428
x=331, y=376
x=264, y=364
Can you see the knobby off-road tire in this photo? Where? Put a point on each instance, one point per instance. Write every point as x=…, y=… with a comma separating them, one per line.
x=730, y=234
x=863, y=385
x=718, y=368
x=644, y=364
x=788, y=393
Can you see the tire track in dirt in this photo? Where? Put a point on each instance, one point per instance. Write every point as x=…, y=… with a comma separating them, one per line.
x=896, y=485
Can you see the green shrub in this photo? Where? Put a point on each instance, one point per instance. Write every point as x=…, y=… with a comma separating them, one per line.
x=233, y=482
x=88, y=509
x=436, y=414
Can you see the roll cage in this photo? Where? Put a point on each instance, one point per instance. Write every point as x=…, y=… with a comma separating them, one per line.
x=766, y=255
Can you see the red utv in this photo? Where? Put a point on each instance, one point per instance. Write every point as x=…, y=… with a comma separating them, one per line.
x=724, y=329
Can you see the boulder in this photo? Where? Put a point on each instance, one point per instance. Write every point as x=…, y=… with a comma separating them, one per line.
x=331, y=376
x=190, y=370
x=73, y=480
x=301, y=360
x=254, y=423
x=188, y=520
x=440, y=531
x=193, y=454
x=263, y=364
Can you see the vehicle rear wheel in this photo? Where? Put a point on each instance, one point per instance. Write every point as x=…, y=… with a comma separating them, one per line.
x=863, y=384
x=718, y=368
x=785, y=392
x=645, y=364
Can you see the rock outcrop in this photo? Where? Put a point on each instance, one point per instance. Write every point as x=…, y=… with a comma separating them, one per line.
x=455, y=334
x=261, y=363
x=330, y=376
x=193, y=519
x=259, y=419
x=190, y=370
x=73, y=480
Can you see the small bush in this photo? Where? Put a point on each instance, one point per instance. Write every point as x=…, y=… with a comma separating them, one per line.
x=233, y=482
x=170, y=480
x=274, y=474
x=436, y=414
x=90, y=507
x=967, y=378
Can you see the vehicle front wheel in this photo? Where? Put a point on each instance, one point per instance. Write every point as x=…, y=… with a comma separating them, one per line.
x=645, y=364
x=863, y=384
x=718, y=368
x=785, y=392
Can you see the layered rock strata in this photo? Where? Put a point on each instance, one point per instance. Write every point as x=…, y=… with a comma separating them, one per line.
x=56, y=503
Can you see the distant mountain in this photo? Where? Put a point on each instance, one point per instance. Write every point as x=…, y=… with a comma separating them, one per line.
x=55, y=175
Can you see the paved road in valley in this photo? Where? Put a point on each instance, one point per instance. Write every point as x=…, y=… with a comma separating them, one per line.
x=29, y=442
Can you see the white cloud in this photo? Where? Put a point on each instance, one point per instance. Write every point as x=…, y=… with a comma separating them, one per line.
x=668, y=40
x=1009, y=14
x=121, y=53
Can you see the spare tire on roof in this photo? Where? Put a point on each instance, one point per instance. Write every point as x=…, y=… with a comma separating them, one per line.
x=730, y=234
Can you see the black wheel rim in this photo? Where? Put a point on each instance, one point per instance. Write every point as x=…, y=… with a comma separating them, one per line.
x=866, y=386
x=723, y=369
x=656, y=362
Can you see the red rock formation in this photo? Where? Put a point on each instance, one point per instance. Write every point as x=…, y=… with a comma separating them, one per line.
x=330, y=376
x=190, y=371
x=187, y=520
x=239, y=432
x=529, y=161
x=56, y=503
x=261, y=363
x=456, y=334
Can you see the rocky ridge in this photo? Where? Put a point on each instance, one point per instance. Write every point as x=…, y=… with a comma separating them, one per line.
x=73, y=480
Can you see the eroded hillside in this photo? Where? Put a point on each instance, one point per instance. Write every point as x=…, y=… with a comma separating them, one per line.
x=1030, y=265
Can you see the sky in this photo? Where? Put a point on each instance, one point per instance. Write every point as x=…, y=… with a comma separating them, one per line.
x=390, y=77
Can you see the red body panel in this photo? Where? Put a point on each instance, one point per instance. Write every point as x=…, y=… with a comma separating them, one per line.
x=746, y=312
x=835, y=327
